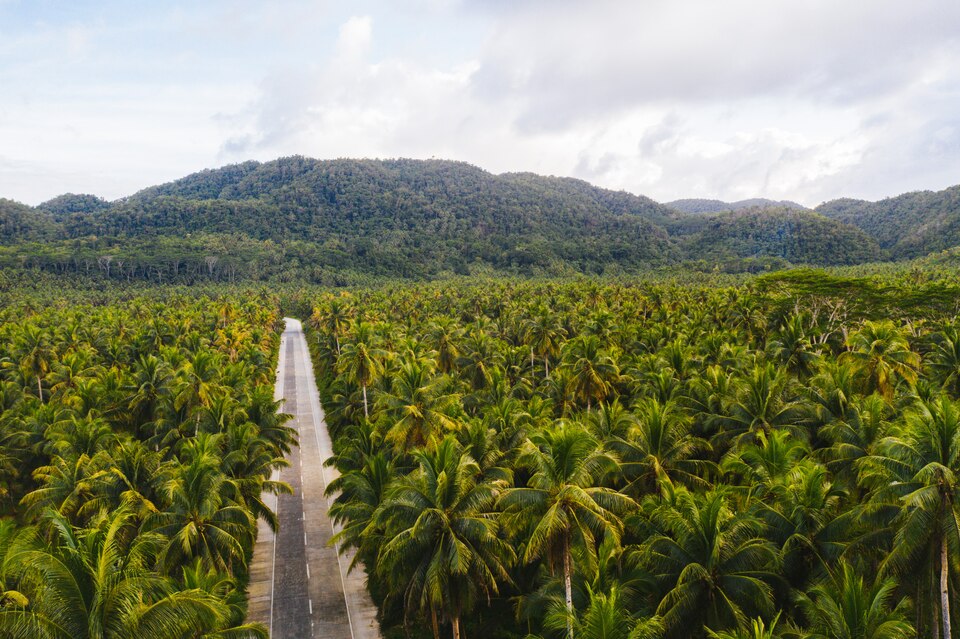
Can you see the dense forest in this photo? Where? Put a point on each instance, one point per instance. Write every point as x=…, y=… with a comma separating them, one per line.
x=909, y=225
x=346, y=221
x=593, y=459
x=698, y=205
x=137, y=439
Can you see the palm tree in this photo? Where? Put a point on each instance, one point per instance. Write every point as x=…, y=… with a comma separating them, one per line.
x=564, y=502
x=762, y=402
x=543, y=334
x=96, y=583
x=846, y=607
x=714, y=563
x=36, y=354
x=804, y=517
x=760, y=465
x=198, y=518
x=361, y=361
x=659, y=450
x=148, y=388
x=757, y=630
x=71, y=488
x=417, y=406
x=606, y=617
x=444, y=549
x=264, y=411
x=793, y=349
x=917, y=471
x=249, y=463
x=444, y=335
x=592, y=369
x=944, y=361
x=881, y=354
x=333, y=319
x=358, y=494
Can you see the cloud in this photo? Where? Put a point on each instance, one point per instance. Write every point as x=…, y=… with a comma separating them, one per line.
x=805, y=101
x=581, y=60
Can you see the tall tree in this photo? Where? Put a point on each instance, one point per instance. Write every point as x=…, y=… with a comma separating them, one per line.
x=917, y=471
x=565, y=502
x=444, y=548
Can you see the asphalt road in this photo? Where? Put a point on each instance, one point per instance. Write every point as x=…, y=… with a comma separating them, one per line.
x=299, y=585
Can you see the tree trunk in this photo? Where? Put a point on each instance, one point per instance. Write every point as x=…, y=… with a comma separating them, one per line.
x=531, y=360
x=39, y=389
x=567, y=582
x=433, y=620
x=455, y=622
x=934, y=609
x=546, y=365
x=945, y=588
x=366, y=413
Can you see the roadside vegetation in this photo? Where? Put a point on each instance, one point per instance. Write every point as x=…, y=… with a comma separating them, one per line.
x=137, y=437
x=604, y=459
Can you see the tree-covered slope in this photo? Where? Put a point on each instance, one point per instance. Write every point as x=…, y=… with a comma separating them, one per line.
x=454, y=212
x=906, y=226
x=797, y=236
x=298, y=218
x=72, y=203
x=22, y=223
x=697, y=205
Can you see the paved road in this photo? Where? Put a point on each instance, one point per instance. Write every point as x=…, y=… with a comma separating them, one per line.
x=299, y=585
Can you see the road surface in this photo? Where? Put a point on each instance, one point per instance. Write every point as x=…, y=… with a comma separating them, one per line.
x=299, y=585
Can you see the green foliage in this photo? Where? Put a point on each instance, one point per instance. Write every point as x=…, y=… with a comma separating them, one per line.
x=137, y=437
x=339, y=222
x=906, y=226
x=670, y=460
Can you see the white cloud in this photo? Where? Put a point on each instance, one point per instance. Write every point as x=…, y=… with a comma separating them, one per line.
x=734, y=99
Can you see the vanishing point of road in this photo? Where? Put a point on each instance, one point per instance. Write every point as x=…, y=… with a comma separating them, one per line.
x=299, y=584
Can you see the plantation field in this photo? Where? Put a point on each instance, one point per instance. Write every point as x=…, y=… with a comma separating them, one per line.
x=137, y=438
x=771, y=456
x=776, y=459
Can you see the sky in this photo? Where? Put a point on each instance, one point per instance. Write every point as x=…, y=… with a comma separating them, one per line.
x=806, y=101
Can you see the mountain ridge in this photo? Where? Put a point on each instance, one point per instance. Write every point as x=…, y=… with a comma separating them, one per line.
x=417, y=218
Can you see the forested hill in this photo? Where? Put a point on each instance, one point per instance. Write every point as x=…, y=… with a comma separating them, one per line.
x=696, y=205
x=789, y=234
x=906, y=226
x=302, y=219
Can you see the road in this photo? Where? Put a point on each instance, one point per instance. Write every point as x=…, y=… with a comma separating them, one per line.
x=299, y=584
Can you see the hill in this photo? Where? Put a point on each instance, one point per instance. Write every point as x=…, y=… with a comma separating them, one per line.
x=300, y=219
x=699, y=206
x=794, y=236
x=69, y=204
x=906, y=226
x=21, y=223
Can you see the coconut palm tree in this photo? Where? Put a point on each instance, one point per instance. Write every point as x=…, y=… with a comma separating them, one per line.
x=944, y=361
x=361, y=361
x=592, y=370
x=564, y=502
x=917, y=471
x=659, y=451
x=606, y=617
x=845, y=606
x=714, y=564
x=199, y=519
x=881, y=354
x=443, y=549
x=36, y=353
x=762, y=401
x=417, y=407
x=96, y=583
